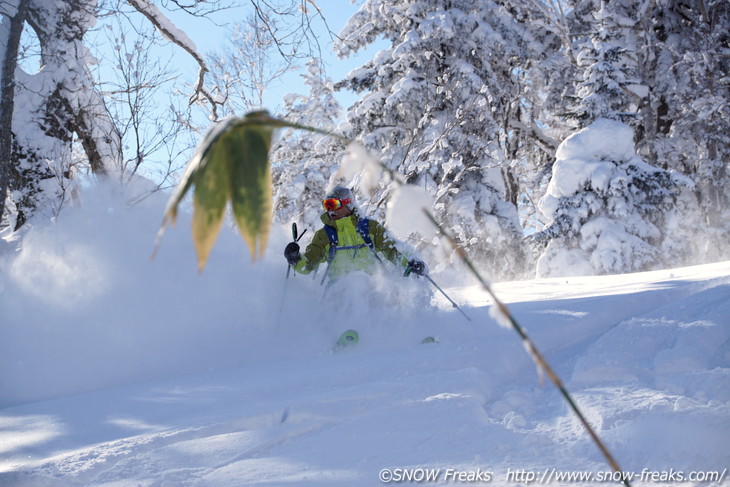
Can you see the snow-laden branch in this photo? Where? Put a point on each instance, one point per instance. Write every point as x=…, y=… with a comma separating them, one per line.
x=168, y=30
x=547, y=143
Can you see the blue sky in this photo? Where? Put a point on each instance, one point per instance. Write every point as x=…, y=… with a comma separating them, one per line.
x=208, y=37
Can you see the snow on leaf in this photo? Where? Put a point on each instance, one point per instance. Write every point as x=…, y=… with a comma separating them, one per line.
x=359, y=163
x=501, y=315
x=406, y=212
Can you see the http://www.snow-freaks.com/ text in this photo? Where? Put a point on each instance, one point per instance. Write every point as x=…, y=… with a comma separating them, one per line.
x=545, y=476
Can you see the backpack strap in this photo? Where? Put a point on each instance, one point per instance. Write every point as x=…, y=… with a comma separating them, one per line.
x=332, y=234
x=363, y=228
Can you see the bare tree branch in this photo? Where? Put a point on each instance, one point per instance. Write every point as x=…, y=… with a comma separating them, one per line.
x=176, y=36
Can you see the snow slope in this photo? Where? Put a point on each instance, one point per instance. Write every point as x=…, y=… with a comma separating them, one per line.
x=118, y=371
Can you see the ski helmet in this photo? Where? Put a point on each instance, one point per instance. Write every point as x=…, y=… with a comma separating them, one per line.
x=344, y=194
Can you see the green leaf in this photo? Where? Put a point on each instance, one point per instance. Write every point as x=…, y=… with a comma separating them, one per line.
x=212, y=192
x=251, y=185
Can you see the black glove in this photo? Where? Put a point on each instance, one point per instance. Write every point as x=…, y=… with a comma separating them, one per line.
x=418, y=267
x=291, y=252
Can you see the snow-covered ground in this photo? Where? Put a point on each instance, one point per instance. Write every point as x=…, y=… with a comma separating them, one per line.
x=120, y=371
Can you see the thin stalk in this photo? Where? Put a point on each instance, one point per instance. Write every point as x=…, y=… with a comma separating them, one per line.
x=532, y=349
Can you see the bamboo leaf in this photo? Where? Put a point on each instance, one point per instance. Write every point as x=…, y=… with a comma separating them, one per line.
x=251, y=188
x=212, y=192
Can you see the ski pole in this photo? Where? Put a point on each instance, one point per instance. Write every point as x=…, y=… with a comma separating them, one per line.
x=408, y=272
x=447, y=297
x=296, y=238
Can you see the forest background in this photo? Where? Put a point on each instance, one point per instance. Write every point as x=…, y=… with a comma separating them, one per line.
x=553, y=137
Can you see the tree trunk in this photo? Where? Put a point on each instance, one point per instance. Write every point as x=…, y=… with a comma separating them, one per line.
x=7, y=96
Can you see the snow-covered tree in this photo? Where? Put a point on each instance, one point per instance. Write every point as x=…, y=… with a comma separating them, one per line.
x=51, y=109
x=303, y=162
x=11, y=30
x=435, y=107
x=641, y=62
x=609, y=86
x=535, y=122
x=688, y=116
x=609, y=211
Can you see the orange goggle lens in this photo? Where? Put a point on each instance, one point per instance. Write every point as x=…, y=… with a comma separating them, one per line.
x=331, y=204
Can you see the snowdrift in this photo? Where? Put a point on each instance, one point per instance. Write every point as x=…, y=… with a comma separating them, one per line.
x=118, y=371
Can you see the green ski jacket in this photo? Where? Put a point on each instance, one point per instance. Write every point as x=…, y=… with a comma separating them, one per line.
x=350, y=259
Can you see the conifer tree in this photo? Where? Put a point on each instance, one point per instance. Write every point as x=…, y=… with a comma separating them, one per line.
x=431, y=108
x=608, y=210
x=609, y=86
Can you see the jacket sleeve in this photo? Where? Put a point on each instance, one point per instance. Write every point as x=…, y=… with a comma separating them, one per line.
x=315, y=253
x=385, y=244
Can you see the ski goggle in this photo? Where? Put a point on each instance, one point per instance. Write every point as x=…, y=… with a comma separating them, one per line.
x=331, y=204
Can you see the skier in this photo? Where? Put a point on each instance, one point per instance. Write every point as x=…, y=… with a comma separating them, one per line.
x=348, y=242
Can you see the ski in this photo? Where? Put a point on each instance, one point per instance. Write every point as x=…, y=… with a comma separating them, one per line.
x=347, y=339
x=350, y=338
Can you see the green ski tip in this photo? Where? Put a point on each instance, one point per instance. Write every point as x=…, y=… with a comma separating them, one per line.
x=429, y=340
x=348, y=339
